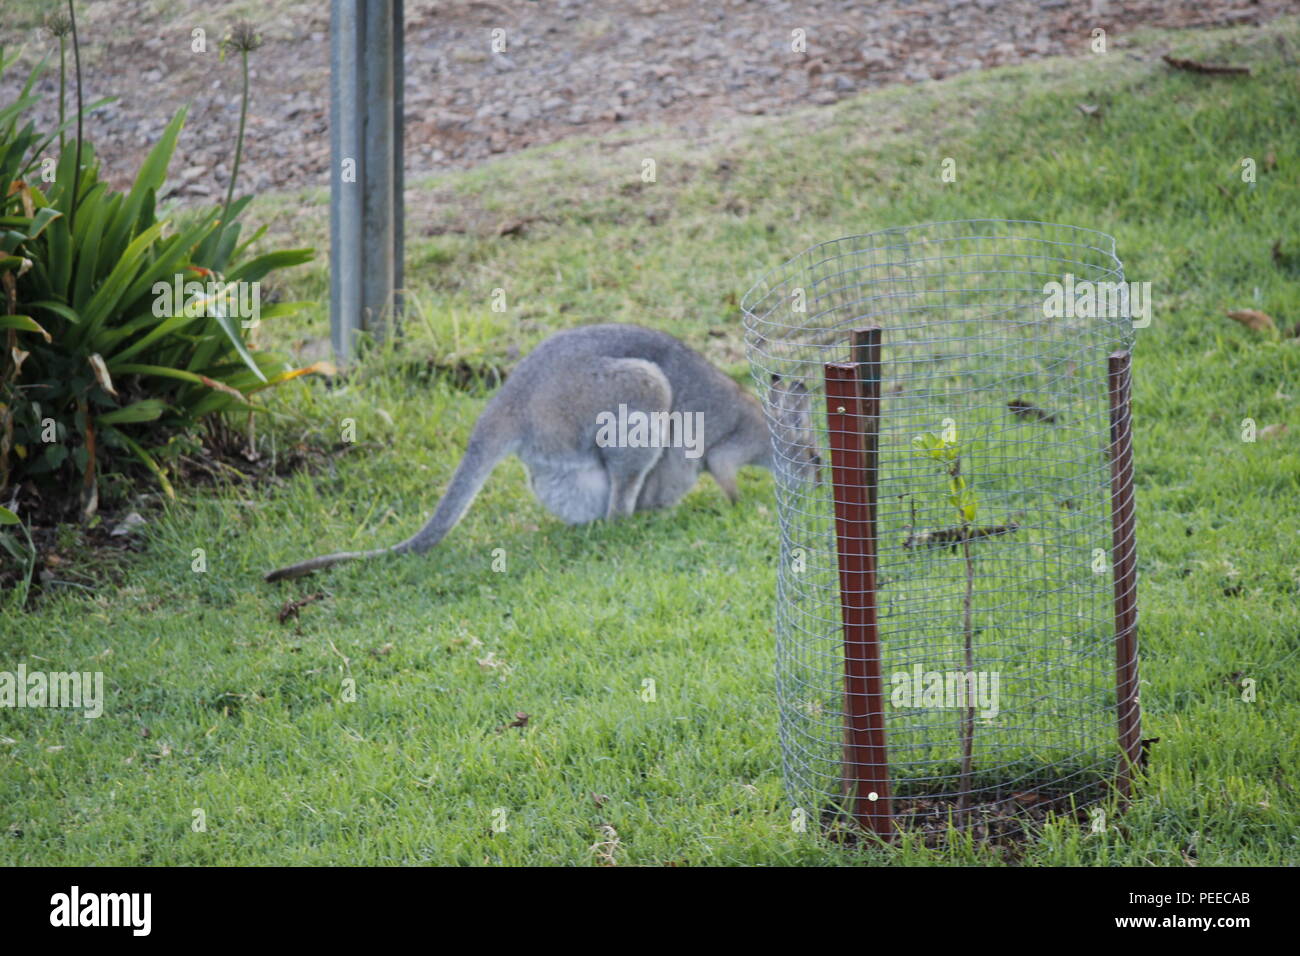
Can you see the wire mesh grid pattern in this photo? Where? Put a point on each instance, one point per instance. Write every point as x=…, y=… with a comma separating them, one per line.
x=956, y=614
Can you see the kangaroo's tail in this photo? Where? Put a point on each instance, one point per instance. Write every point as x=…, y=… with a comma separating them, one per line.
x=485, y=451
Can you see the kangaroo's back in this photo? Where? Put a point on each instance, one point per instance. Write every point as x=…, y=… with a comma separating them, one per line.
x=561, y=364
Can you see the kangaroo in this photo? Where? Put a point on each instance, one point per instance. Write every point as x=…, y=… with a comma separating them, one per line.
x=676, y=415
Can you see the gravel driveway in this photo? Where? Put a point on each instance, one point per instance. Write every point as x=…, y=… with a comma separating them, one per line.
x=569, y=67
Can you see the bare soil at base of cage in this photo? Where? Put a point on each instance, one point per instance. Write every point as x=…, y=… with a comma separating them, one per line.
x=1005, y=824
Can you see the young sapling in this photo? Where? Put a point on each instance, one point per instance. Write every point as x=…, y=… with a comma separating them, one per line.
x=947, y=453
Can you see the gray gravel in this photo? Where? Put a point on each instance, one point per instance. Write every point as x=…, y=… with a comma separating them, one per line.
x=570, y=67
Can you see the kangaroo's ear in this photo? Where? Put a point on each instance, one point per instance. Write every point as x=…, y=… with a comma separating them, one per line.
x=776, y=379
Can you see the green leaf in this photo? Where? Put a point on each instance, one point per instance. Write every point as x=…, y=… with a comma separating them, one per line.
x=58, y=308
x=257, y=234
x=36, y=72
x=181, y=375
x=148, y=462
x=152, y=175
x=171, y=257
x=43, y=218
x=24, y=323
x=107, y=297
x=164, y=327
x=58, y=243
x=256, y=269
x=926, y=443
x=7, y=516
x=55, y=455
x=316, y=368
x=90, y=229
x=145, y=410
x=229, y=325
x=280, y=309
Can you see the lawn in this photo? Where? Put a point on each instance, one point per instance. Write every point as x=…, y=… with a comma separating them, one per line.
x=374, y=727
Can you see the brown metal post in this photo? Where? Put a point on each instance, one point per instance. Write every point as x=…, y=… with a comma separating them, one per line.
x=853, y=415
x=1124, y=559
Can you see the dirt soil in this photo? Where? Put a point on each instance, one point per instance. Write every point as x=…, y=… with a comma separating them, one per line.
x=568, y=68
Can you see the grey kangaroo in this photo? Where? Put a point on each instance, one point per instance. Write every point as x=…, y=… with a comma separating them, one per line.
x=557, y=412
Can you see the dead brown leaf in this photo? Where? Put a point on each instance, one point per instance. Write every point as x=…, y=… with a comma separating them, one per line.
x=223, y=387
x=101, y=374
x=1253, y=319
x=606, y=849
x=291, y=608
x=515, y=227
x=520, y=721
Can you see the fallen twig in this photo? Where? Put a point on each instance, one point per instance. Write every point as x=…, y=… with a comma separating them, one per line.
x=940, y=536
x=291, y=608
x=1211, y=69
x=1027, y=412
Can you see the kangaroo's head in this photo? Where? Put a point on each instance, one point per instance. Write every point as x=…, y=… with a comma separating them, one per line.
x=794, y=453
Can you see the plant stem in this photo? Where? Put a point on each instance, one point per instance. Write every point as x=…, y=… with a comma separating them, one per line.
x=239, y=140
x=967, y=724
x=90, y=485
x=968, y=715
x=63, y=72
x=76, y=172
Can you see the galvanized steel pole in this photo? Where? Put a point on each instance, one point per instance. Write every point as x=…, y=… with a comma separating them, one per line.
x=366, y=178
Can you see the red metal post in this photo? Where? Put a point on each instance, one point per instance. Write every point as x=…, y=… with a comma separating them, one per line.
x=853, y=416
x=1124, y=559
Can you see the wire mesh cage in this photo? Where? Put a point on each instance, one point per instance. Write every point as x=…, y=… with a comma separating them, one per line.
x=956, y=612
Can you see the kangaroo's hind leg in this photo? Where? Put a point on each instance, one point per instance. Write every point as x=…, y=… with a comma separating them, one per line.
x=640, y=403
x=592, y=443
x=627, y=469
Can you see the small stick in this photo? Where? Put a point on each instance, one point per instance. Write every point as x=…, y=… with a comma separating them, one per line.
x=1192, y=66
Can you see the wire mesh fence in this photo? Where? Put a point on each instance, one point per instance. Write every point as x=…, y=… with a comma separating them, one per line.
x=955, y=608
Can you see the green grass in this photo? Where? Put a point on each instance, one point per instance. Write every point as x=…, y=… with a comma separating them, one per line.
x=214, y=705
